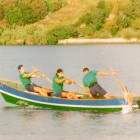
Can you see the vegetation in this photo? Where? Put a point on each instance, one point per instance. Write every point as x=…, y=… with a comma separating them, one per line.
x=54, y=5
x=25, y=12
x=61, y=32
x=48, y=21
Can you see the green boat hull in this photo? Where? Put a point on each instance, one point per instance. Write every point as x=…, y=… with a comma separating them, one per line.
x=26, y=103
x=15, y=93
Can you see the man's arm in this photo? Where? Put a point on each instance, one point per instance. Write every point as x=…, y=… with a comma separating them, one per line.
x=105, y=73
x=31, y=74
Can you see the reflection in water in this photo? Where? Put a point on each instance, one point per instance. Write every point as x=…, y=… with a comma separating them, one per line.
x=66, y=124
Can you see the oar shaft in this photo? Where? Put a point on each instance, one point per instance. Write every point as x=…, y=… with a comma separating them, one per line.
x=40, y=73
x=79, y=85
x=119, y=81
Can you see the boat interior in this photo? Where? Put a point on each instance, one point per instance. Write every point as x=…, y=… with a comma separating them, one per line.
x=19, y=86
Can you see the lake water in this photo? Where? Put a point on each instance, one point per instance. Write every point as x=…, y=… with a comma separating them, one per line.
x=34, y=124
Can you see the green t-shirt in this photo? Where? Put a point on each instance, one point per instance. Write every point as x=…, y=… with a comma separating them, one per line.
x=90, y=78
x=24, y=81
x=57, y=87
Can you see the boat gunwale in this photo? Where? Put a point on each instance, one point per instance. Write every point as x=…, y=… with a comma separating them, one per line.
x=35, y=94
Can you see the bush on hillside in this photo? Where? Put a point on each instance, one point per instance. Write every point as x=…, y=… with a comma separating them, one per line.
x=138, y=34
x=3, y=5
x=39, y=8
x=128, y=33
x=27, y=35
x=123, y=22
x=86, y=19
x=128, y=10
x=13, y=15
x=52, y=40
x=61, y=32
x=105, y=6
x=26, y=11
x=136, y=4
x=102, y=34
x=54, y=5
x=112, y=27
x=136, y=24
x=1, y=30
x=95, y=18
x=98, y=19
x=1, y=12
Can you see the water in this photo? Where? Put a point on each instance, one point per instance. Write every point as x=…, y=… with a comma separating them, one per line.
x=34, y=124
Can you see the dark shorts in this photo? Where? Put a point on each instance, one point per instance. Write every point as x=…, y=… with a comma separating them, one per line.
x=59, y=94
x=97, y=89
x=30, y=87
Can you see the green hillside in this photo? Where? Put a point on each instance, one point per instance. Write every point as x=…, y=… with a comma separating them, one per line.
x=41, y=22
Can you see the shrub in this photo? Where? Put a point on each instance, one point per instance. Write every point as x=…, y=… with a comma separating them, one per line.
x=84, y=19
x=106, y=7
x=3, y=5
x=136, y=5
x=61, y=32
x=123, y=21
x=112, y=27
x=40, y=36
x=1, y=12
x=54, y=5
x=1, y=30
x=26, y=11
x=128, y=10
x=98, y=19
x=13, y=15
x=136, y=24
x=72, y=32
x=27, y=34
x=37, y=8
x=102, y=34
x=138, y=34
x=52, y=40
x=128, y=33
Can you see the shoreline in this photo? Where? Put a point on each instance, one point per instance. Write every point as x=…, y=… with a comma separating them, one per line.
x=98, y=41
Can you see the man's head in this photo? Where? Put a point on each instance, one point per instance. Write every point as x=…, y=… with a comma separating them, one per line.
x=85, y=70
x=21, y=68
x=59, y=73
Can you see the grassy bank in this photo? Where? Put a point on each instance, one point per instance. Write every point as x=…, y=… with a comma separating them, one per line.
x=66, y=19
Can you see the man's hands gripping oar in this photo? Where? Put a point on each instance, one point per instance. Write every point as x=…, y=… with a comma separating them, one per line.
x=127, y=95
x=43, y=75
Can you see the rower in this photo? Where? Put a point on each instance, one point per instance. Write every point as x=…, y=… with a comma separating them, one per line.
x=91, y=85
x=58, y=81
x=25, y=78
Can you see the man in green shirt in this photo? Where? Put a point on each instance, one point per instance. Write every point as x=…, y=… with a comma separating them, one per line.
x=25, y=78
x=91, y=85
x=58, y=82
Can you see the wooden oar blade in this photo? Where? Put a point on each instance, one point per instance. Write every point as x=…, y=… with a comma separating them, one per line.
x=127, y=96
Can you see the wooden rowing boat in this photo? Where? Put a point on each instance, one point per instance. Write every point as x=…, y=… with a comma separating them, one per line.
x=15, y=93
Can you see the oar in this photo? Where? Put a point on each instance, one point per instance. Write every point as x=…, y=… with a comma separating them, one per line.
x=79, y=85
x=119, y=81
x=43, y=75
x=127, y=95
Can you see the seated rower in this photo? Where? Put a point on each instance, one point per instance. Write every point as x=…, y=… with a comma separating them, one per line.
x=25, y=78
x=58, y=81
x=91, y=85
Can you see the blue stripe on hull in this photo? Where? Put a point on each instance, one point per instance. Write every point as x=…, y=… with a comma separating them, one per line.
x=63, y=102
